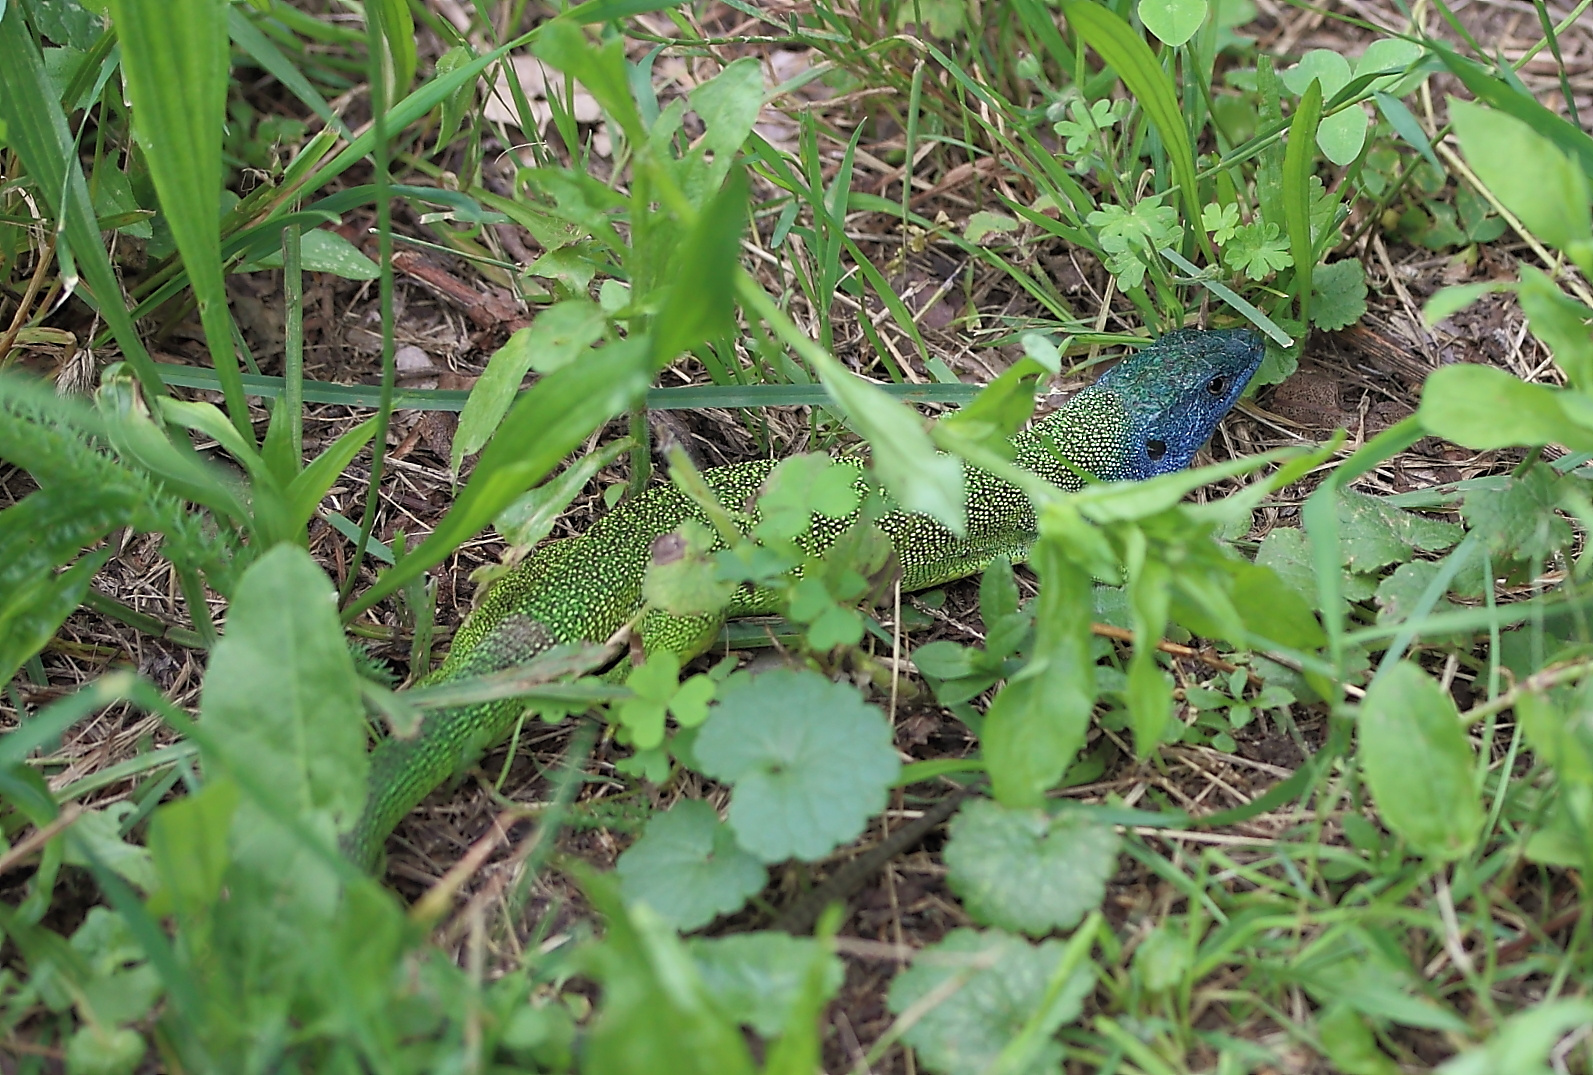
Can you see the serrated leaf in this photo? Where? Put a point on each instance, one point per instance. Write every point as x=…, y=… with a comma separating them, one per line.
x=1419, y=764
x=688, y=868
x=1519, y=522
x=1006, y=981
x=1026, y=870
x=1373, y=534
x=809, y=760
x=757, y=978
x=1340, y=294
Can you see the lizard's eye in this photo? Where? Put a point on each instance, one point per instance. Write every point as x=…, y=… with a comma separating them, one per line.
x=1217, y=386
x=1155, y=449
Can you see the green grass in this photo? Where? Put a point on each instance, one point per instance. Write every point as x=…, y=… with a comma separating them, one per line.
x=1343, y=828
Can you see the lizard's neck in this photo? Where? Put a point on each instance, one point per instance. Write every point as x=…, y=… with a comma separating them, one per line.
x=1090, y=431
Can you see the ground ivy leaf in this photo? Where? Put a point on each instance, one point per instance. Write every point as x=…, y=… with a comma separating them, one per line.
x=1008, y=983
x=687, y=867
x=756, y=978
x=1027, y=870
x=809, y=760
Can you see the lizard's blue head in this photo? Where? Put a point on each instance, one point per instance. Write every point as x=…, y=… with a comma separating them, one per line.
x=1174, y=393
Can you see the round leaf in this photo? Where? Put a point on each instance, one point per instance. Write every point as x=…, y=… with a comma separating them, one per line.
x=810, y=762
x=1023, y=869
x=687, y=867
x=1172, y=21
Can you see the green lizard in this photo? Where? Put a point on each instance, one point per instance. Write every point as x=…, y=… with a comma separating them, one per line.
x=1146, y=416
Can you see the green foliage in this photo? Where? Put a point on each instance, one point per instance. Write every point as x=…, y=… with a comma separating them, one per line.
x=688, y=867
x=805, y=781
x=991, y=988
x=1418, y=764
x=230, y=934
x=1025, y=871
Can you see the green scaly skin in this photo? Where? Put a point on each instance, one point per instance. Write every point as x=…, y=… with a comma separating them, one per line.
x=1148, y=415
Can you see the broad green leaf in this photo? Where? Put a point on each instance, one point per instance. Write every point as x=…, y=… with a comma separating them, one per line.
x=1348, y=1042
x=175, y=56
x=188, y=843
x=1340, y=294
x=700, y=301
x=1341, y=134
x=688, y=868
x=322, y=251
x=1037, y=723
x=1521, y=521
x=809, y=761
x=985, y=223
x=1524, y=1043
x=756, y=978
x=97, y=833
x=558, y=336
x=1418, y=763
x=1005, y=983
x=1328, y=67
x=1172, y=21
x=654, y=1004
x=1027, y=870
x=1483, y=407
x=281, y=693
x=728, y=105
x=1528, y=173
x=1375, y=534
